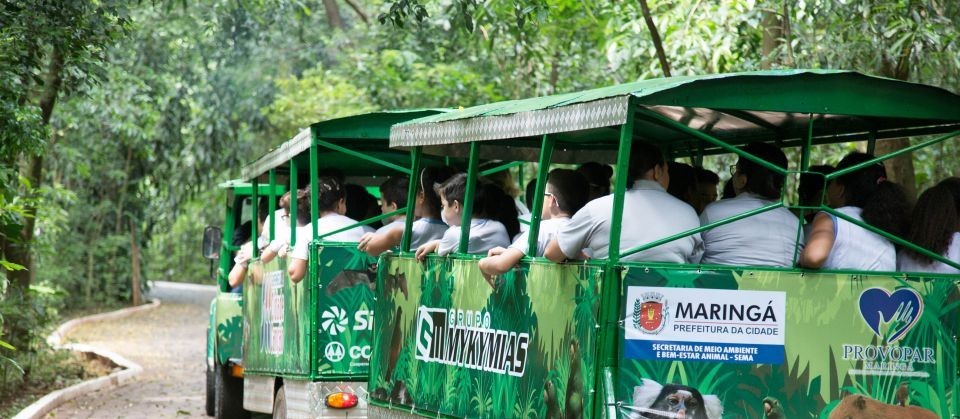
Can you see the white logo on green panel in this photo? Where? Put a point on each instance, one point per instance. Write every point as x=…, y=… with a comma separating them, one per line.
x=334, y=320
x=334, y=351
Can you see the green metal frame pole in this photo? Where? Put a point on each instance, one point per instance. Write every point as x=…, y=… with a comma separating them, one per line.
x=468, y=197
x=872, y=142
x=546, y=155
x=804, y=167
x=225, y=245
x=314, y=187
x=416, y=159
x=805, y=151
x=609, y=316
x=521, y=185
x=313, y=268
x=888, y=156
x=500, y=168
x=705, y=227
x=349, y=152
x=254, y=234
x=293, y=203
x=272, y=204
x=710, y=139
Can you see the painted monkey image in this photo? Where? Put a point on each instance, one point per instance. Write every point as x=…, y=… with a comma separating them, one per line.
x=348, y=278
x=574, y=398
x=655, y=401
x=772, y=409
x=856, y=406
x=550, y=399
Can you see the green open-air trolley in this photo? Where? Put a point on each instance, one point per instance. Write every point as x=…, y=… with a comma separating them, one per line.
x=561, y=340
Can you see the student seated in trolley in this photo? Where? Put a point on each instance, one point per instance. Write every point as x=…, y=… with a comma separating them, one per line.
x=428, y=225
x=765, y=239
x=243, y=256
x=865, y=195
x=493, y=220
x=332, y=206
x=650, y=213
x=566, y=192
x=935, y=226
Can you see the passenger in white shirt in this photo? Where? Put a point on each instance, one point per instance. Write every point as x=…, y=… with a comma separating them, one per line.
x=566, y=192
x=428, y=225
x=332, y=207
x=281, y=235
x=765, y=239
x=864, y=195
x=649, y=214
x=493, y=221
x=935, y=226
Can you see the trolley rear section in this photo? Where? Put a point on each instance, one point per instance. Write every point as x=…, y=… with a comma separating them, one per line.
x=618, y=337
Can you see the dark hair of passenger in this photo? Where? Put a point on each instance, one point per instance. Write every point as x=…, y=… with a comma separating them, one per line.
x=704, y=176
x=643, y=157
x=360, y=204
x=760, y=180
x=528, y=193
x=683, y=180
x=812, y=185
x=330, y=193
x=936, y=217
x=570, y=189
x=598, y=175
x=489, y=201
x=503, y=178
x=885, y=205
x=394, y=190
x=728, y=191
x=429, y=178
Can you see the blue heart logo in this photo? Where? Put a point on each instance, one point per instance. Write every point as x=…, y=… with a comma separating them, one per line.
x=903, y=307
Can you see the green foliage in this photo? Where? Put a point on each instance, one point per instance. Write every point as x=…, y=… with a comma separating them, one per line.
x=315, y=96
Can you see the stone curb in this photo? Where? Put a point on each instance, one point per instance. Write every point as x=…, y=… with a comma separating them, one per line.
x=130, y=369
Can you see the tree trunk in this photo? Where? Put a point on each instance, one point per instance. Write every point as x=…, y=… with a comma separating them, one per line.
x=20, y=253
x=135, y=261
x=359, y=11
x=899, y=169
x=333, y=13
x=655, y=36
x=772, y=29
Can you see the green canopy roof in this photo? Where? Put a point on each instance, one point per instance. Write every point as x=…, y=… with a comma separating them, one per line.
x=367, y=133
x=738, y=108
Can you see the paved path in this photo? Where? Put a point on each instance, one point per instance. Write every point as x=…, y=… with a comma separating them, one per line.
x=169, y=342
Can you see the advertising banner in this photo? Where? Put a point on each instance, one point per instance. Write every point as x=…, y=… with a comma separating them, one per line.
x=782, y=344
x=449, y=342
x=346, y=279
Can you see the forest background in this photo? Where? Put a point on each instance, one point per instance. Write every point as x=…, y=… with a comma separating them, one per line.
x=118, y=119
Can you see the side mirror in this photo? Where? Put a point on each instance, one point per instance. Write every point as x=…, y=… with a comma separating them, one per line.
x=212, y=236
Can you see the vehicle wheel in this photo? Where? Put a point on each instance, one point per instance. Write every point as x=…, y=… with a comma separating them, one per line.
x=280, y=404
x=229, y=400
x=211, y=391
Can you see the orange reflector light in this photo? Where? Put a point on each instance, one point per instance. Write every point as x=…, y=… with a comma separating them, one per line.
x=342, y=400
x=236, y=370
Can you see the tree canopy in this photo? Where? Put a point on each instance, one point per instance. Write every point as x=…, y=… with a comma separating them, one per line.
x=117, y=119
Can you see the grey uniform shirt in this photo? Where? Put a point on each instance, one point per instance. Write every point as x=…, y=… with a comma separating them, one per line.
x=766, y=239
x=424, y=230
x=649, y=213
x=484, y=235
x=326, y=224
x=548, y=230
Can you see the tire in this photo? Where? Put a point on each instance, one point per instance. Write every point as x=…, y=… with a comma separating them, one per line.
x=211, y=391
x=280, y=404
x=229, y=400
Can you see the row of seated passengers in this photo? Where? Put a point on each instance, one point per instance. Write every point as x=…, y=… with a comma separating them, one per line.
x=575, y=227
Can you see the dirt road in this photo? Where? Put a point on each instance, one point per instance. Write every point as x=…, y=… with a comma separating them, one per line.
x=168, y=342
